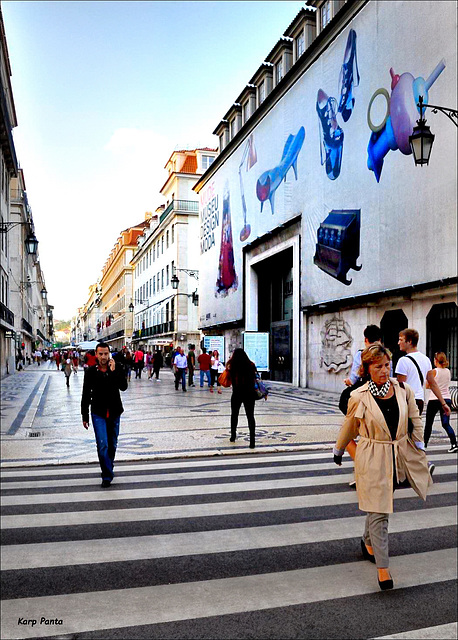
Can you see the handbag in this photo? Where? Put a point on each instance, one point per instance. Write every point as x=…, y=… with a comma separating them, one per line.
x=225, y=379
x=260, y=389
x=221, y=367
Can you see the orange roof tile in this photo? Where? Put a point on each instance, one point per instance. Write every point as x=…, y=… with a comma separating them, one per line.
x=189, y=165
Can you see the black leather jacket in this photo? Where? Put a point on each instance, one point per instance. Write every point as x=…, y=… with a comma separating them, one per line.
x=101, y=392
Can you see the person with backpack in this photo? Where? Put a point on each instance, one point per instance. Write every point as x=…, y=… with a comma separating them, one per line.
x=415, y=368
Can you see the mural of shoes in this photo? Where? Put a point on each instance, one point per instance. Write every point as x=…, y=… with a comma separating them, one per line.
x=349, y=77
x=332, y=136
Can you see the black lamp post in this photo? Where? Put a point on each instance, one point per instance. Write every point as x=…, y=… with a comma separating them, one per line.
x=44, y=293
x=421, y=140
x=131, y=307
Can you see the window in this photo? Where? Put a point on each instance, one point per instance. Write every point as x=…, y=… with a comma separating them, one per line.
x=279, y=71
x=300, y=45
x=167, y=240
x=262, y=92
x=167, y=312
x=173, y=233
x=154, y=284
x=162, y=243
x=206, y=162
x=167, y=276
x=246, y=111
x=233, y=128
x=162, y=279
x=154, y=253
x=157, y=281
x=150, y=287
x=325, y=13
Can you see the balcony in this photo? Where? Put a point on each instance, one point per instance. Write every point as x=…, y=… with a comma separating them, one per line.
x=26, y=326
x=158, y=329
x=6, y=315
x=190, y=206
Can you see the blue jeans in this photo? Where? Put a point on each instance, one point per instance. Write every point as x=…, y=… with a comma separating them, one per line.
x=180, y=376
x=431, y=410
x=106, y=435
x=202, y=373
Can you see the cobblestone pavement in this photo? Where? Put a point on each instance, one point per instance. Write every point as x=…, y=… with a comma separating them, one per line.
x=41, y=420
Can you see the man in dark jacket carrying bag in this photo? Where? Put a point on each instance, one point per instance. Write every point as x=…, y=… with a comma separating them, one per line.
x=102, y=384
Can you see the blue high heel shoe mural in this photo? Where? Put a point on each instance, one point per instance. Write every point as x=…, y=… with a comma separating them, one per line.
x=270, y=180
x=349, y=77
x=331, y=135
x=327, y=108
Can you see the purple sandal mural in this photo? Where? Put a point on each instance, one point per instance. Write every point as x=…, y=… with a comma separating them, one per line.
x=227, y=280
x=270, y=180
x=400, y=117
x=327, y=108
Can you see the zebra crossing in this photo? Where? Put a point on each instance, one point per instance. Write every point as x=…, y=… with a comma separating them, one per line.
x=254, y=546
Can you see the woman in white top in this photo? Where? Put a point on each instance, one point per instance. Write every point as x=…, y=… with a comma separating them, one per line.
x=442, y=375
x=214, y=371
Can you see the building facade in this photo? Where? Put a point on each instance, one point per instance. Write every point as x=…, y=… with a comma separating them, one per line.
x=314, y=219
x=167, y=254
x=26, y=321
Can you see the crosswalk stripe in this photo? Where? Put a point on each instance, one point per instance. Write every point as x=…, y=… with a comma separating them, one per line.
x=437, y=450
x=235, y=487
x=190, y=475
x=51, y=554
x=158, y=604
x=199, y=510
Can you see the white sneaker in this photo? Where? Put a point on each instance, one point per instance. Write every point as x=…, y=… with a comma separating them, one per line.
x=453, y=449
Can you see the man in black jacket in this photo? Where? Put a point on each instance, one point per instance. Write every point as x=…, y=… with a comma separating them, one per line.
x=101, y=387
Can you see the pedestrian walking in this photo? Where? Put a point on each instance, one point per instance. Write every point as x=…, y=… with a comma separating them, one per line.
x=214, y=371
x=128, y=364
x=90, y=359
x=67, y=369
x=75, y=362
x=158, y=363
x=387, y=454
x=242, y=374
x=149, y=364
x=37, y=356
x=372, y=334
x=101, y=387
x=415, y=368
x=57, y=358
x=442, y=377
x=139, y=360
x=180, y=364
x=204, y=361
x=191, y=365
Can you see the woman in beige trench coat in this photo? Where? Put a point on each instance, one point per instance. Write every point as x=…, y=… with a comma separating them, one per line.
x=379, y=413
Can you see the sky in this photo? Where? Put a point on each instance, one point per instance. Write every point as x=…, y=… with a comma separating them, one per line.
x=104, y=93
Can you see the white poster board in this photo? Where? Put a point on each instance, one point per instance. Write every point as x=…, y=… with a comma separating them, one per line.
x=215, y=342
x=256, y=345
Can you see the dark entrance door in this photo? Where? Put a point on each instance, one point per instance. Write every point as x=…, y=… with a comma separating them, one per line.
x=275, y=311
x=392, y=323
x=281, y=365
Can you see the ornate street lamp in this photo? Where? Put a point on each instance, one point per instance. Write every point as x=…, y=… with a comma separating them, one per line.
x=31, y=244
x=44, y=293
x=421, y=140
x=131, y=307
x=175, y=282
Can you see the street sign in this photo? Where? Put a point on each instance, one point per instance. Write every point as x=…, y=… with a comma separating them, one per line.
x=10, y=334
